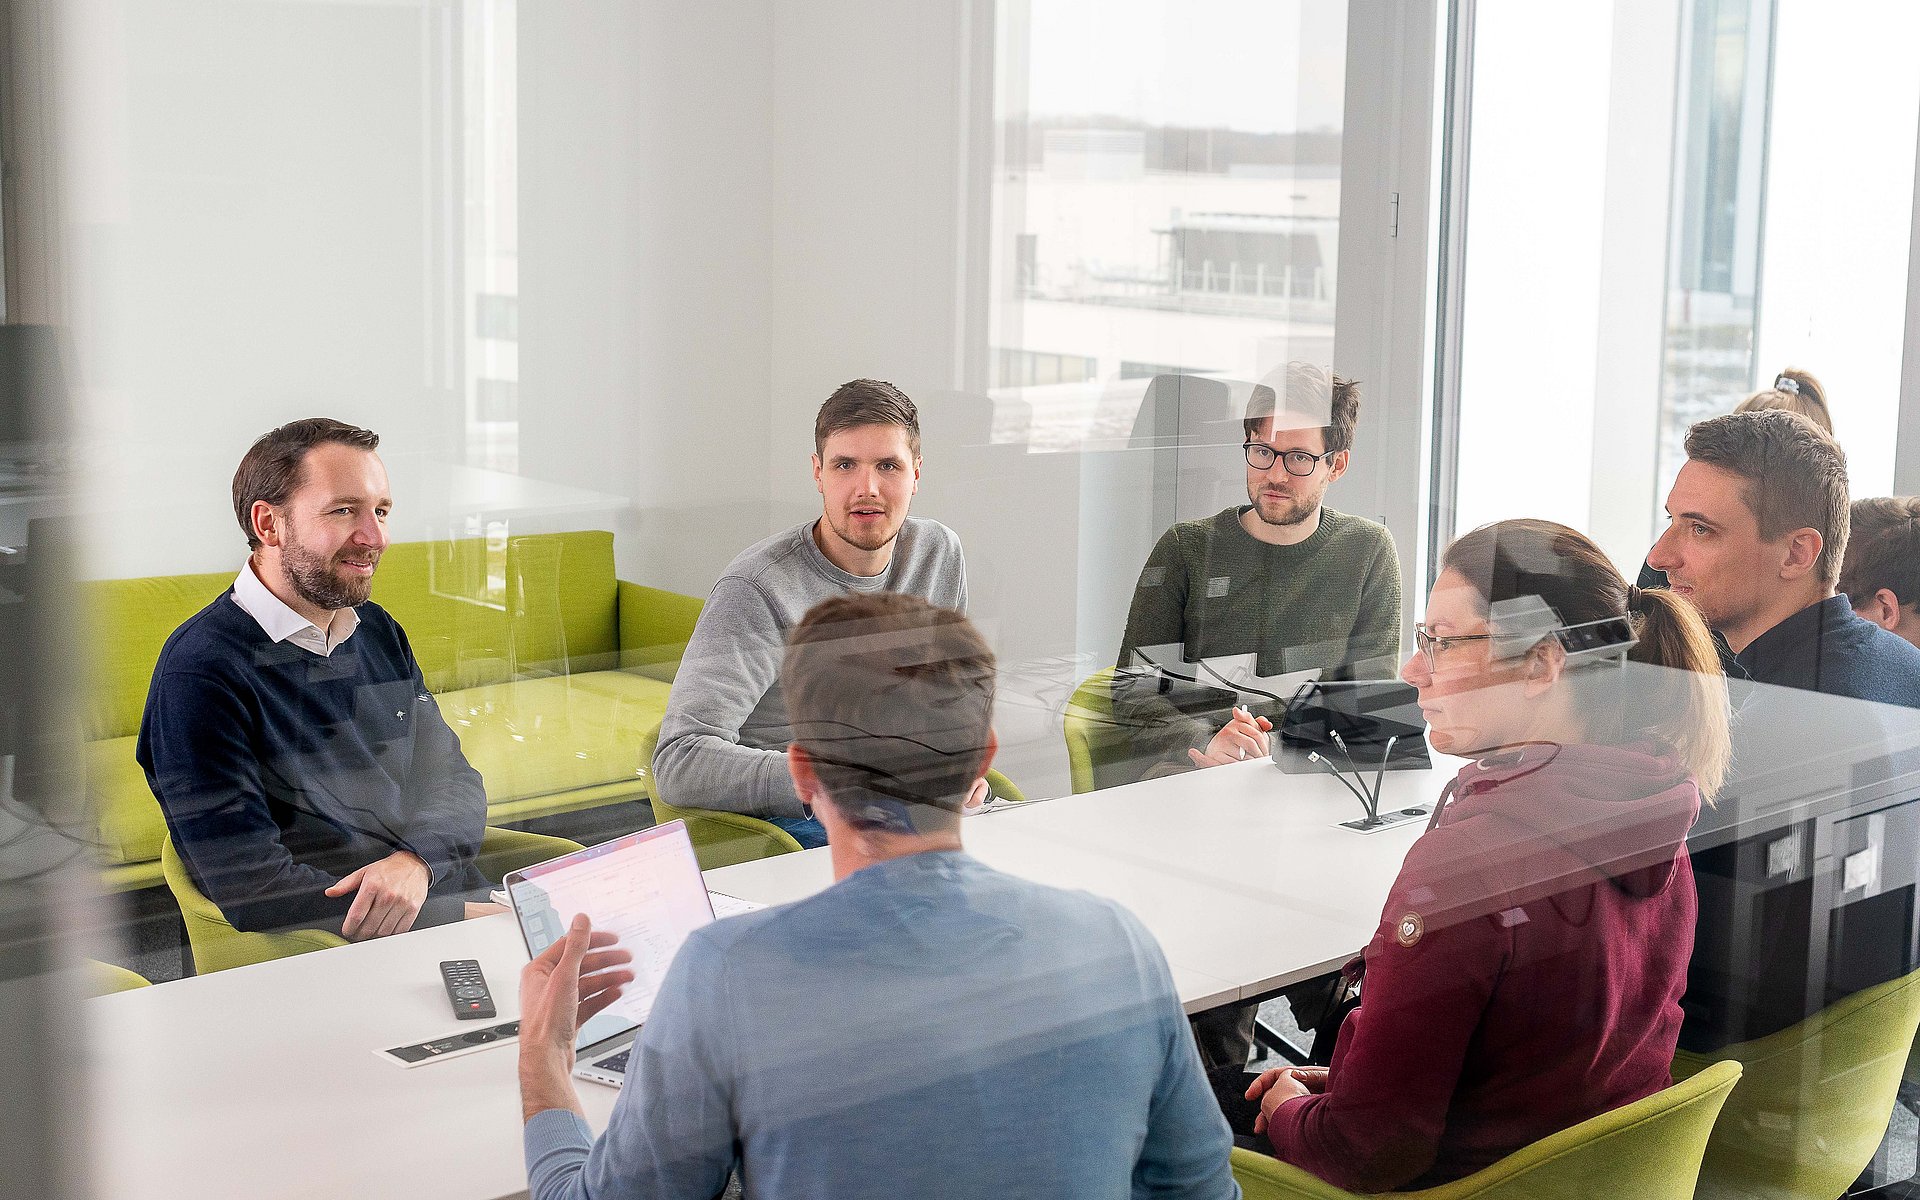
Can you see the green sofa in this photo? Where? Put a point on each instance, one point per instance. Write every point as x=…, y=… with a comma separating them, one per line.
x=550, y=669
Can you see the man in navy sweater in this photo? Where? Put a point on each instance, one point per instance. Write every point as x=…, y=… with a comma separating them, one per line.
x=1759, y=522
x=307, y=777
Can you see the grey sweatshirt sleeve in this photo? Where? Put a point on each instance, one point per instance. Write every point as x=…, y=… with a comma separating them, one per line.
x=731, y=663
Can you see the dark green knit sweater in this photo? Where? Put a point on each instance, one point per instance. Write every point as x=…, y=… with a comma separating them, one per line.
x=1332, y=601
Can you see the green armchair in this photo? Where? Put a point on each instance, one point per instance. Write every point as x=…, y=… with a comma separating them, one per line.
x=1647, y=1150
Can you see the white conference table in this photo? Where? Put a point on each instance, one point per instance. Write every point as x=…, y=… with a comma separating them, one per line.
x=262, y=1081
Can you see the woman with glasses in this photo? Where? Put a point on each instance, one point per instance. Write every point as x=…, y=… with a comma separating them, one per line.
x=1527, y=970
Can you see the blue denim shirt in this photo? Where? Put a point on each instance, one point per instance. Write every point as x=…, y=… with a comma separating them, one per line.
x=925, y=1027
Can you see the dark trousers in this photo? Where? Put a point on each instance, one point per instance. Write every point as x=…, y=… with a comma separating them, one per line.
x=1224, y=1036
x=1230, y=1086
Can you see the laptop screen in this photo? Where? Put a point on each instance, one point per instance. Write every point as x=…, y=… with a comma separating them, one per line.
x=645, y=888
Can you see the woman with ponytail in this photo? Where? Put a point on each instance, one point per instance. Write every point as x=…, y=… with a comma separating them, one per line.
x=1527, y=969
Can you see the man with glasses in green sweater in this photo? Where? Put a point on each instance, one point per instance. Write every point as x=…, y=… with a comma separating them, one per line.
x=1284, y=578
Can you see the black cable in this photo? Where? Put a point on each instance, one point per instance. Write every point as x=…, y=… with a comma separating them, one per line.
x=1373, y=807
x=1316, y=758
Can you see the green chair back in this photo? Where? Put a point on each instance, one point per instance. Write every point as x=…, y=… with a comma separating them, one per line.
x=1813, y=1104
x=1095, y=739
x=721, y=839
x=217, y=945
x=103, y=979
x=1647, y=1150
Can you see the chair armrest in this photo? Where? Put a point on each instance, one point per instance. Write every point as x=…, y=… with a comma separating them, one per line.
x=1263, y=1177
x=1002, y=787
x=504, y=850
x=655, y=627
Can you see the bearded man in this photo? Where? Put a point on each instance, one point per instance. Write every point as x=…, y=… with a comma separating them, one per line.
x=723, y=741
x=307, y=776
x=1283, y=577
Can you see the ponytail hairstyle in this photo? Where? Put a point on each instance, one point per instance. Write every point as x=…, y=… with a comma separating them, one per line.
x=1683, y=708
x=1793, y=391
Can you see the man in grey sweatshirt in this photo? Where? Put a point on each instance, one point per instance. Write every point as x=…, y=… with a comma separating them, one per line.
x=724, y=739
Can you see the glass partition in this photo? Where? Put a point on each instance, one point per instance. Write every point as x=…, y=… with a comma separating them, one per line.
x=923, y=463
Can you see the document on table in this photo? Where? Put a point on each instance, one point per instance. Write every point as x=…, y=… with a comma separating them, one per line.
x=725, y=906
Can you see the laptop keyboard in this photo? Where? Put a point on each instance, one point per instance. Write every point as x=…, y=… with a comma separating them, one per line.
x=614, y=1062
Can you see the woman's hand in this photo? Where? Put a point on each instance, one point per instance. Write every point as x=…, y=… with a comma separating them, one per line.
x=1276, y=1087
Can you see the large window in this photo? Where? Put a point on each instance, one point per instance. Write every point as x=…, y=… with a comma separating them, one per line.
x=1616, y=292
x=1167, y=193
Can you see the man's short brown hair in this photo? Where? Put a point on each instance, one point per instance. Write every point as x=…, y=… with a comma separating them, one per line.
x=892, y=698
x=1796, y=476
x=1883, y=550
x=1311, y=390
x=271, y=469
x=866, y=402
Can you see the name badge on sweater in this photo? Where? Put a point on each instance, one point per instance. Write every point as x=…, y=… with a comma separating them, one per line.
x=1217, y=586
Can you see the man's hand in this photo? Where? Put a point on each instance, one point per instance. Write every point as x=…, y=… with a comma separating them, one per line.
x=569, y=983
x=1243, y=737
x=391, y=892
x=1280, y=1085
x=482, y=910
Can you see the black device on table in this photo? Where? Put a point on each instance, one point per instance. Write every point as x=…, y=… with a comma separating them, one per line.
x=1374, y=722
x=466, y=988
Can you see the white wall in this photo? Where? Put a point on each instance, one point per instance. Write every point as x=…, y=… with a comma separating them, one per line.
x=269, y=221
x=248, y=248
x=875, y=112
x=646, y=189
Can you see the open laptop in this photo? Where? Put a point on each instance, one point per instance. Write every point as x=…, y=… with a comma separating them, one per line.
x=644, y=887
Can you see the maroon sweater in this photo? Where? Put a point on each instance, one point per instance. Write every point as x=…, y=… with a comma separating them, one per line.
x=1526, y=974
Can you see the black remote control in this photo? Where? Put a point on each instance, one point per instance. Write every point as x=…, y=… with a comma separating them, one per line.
x=466, y=988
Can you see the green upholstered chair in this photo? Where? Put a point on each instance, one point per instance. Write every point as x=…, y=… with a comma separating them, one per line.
x=1813, y=1104
x=217, y=945
x=1647, y=1150
x=721, y=839
x=1095, y=739
x=103, y=979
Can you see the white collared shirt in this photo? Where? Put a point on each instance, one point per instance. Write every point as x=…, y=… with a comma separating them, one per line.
x=282, y=624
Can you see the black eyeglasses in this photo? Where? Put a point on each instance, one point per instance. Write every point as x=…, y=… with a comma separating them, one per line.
x=1298, y=462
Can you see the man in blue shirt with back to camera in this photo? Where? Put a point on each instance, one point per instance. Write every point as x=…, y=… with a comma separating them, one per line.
x=926, y=1026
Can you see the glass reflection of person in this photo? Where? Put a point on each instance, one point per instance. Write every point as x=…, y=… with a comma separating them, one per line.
x=926, y=1026
x=306, y=774
x=1284, y=577
x=1527, y=970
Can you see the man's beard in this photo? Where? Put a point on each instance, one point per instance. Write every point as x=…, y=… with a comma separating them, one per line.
x=1292, y=514
x=884, y=539
x=314, y=580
